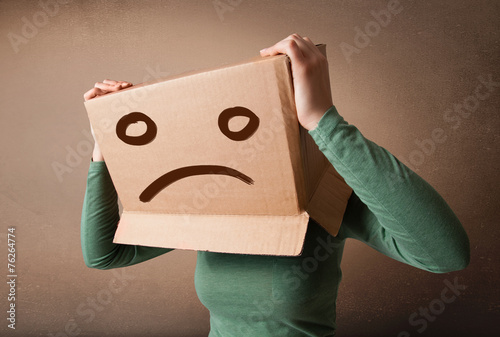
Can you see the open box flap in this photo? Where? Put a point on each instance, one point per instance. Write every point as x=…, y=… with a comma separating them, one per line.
x=329, y=201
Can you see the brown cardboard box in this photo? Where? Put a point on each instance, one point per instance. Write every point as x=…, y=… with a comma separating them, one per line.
x=216, y=161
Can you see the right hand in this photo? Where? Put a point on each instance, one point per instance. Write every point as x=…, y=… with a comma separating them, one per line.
x=311, y=79
x=99, y=89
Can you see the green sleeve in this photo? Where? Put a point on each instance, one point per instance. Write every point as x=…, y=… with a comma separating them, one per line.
x=100, y=217
x=392, y=209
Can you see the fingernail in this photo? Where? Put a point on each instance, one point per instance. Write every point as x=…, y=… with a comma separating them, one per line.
x=263, y=50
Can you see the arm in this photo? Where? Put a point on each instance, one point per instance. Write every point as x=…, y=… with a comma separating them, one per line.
x=392, y=209
x=100, y=214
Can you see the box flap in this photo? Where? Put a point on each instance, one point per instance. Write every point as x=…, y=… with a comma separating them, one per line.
x=328, y=203
x=258, y=234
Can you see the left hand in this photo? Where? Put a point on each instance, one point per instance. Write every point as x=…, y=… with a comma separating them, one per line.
x=99, y=89
x=311, y=78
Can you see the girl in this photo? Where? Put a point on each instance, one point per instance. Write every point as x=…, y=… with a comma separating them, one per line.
x=249, y=295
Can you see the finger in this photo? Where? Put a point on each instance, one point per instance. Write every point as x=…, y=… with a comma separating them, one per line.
x=313, y=46
x=94, y=92
x=108, y=87
x=123, y=84
x=308, y=40
x=310, y=44
x=287, y=46
x=112, y=82
x=307, y=47
x=305, y=44
x=277, y=48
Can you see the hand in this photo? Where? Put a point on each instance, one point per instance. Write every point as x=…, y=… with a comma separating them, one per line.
x=311, y=78
x=99, y=89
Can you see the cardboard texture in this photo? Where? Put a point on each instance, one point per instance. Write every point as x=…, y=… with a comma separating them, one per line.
x=216, y=161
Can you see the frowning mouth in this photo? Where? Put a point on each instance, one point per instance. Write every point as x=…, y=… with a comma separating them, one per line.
x=170, y=177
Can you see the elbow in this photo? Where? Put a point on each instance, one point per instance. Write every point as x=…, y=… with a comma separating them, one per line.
x=96, y=263
x=460, y=262
x=457, y=259
x=455, y=264
x=93, y=265
x=454, y=253
x=463, y=261
x=95, y=258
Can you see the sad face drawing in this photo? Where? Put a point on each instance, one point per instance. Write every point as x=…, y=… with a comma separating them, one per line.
x=172, y=176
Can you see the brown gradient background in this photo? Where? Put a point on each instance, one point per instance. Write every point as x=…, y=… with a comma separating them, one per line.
x=395, y=91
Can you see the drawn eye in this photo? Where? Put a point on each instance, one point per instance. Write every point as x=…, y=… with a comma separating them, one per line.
x=243, y=134
x=131, y=118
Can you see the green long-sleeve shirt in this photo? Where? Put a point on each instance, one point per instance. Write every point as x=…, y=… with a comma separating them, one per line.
x=391, y=209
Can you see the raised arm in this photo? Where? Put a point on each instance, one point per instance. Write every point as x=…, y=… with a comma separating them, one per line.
x=100, y=213
x=392, y=209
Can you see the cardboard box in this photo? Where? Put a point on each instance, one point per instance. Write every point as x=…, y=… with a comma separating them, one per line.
x=216, y=161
